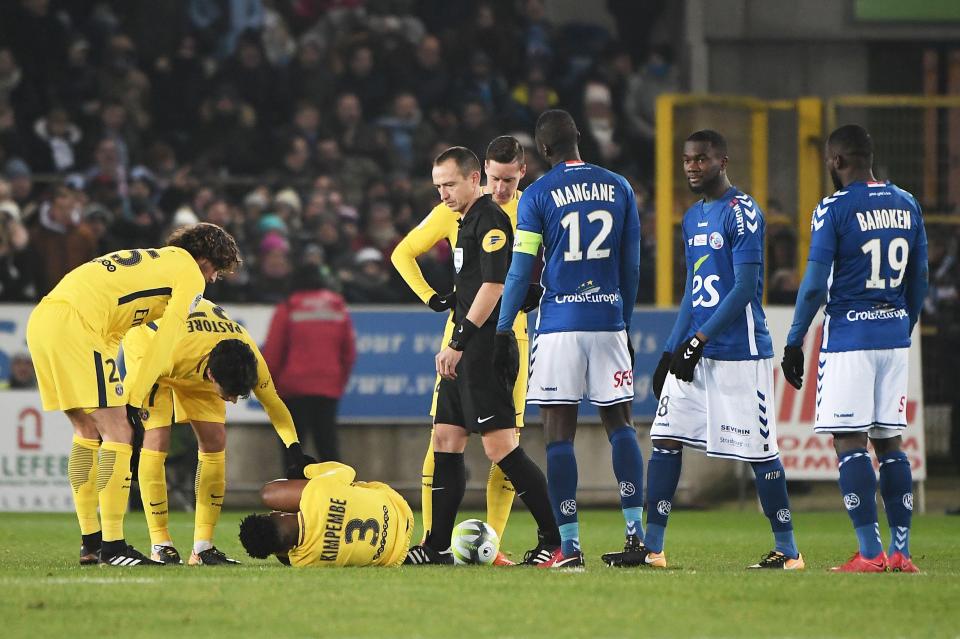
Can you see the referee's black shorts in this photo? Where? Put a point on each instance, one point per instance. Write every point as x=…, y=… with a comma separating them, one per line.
x=476, y=400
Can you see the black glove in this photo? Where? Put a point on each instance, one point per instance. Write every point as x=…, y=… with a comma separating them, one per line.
x=441, y=303
x=296, y=461
x=136, y=423
x=660, y=375
x=685, y=359
x=532, y=300
x=506, y=358
x=792, y=365
x=633, y=357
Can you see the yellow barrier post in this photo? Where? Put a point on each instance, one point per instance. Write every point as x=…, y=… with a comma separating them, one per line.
x=759, y=150
x=809, y=170
x=664, y=200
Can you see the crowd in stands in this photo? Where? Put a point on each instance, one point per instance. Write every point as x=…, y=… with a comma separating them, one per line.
x=304, y=127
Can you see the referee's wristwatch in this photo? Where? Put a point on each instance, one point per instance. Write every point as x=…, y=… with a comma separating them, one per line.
x=462, y=334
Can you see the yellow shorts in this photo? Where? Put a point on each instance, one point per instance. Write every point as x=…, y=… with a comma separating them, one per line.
x=519, y=389
x=167, y=405
x=76, y=366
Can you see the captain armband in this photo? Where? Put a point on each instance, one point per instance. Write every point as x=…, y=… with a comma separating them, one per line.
x=527, y=242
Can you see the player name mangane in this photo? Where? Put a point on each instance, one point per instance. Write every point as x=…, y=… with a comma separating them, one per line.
x=884, y=219
x=585, y=191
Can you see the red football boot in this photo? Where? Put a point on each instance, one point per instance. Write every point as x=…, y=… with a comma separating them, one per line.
x=898, y=562
x=858, y=563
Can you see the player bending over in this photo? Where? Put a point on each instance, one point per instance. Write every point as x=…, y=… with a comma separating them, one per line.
x=74, y=335
x=215, y=362
x=470, y=398
x=868, y=262
x=328, y=519
x=505, y=167
x=716, y=386
x=587, y=219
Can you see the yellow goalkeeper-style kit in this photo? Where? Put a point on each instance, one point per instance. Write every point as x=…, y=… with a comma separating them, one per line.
x=350, y=523
x=180, y=392
x=74, y=332
x=442, y=224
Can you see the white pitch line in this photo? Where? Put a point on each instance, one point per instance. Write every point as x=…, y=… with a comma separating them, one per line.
x=78, y=580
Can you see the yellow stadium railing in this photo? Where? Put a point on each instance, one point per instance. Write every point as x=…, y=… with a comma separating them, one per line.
x=749, y=124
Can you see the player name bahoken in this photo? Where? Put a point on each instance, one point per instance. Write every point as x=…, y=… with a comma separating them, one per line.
x=584, y=192
x=884, y=219
x=331, y=534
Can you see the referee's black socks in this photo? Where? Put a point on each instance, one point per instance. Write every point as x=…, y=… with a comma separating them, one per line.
x=449, y=484
x=531, y=486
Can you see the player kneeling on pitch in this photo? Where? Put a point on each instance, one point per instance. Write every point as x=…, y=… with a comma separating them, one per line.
x=215, y=362
x=329, y=519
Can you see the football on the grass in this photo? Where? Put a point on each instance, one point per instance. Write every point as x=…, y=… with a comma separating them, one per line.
x=474, y=542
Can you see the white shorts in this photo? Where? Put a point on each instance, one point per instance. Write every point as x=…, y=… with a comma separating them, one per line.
x=862, y=392
x=566, y=367
x=727, y=410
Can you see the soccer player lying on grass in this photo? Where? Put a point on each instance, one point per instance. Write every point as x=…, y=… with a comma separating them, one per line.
x=216, y=361
x=74, y=335
x=330, y=519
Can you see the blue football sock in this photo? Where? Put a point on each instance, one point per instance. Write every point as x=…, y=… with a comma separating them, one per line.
x=772, y=490
x=896, y=488
x=663, y=475
x=562, y=485
x=858, y=484
x=628, y=468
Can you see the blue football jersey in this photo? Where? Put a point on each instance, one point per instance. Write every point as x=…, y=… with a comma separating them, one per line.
x=717, y=236
x=867, y=233
x=582, y=211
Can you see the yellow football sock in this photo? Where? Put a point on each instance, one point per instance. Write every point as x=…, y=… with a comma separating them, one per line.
x=82, y=471
x=153, y=493
x=426, y=490
x=500, y=494
x=113, y=487
x=210, y=486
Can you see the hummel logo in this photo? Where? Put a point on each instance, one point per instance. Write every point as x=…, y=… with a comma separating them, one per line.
x=485, y=419
x=158, y=502
x=687, y=354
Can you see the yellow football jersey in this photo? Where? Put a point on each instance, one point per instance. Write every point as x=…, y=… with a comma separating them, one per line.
x=126, y=289
x=350, y=523
x=206, y=327
x=441, y=224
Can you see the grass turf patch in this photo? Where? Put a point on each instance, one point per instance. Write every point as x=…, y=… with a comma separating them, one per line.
x=706, y=592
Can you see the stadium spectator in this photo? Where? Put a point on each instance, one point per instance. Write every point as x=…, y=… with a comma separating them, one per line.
x=58, y=240
x=56, y=142
x=22, y=375
x=310, y=349
x=408, y=136
x=363, y=79
x=271, y=282
x=16, y=262
x=309, y=77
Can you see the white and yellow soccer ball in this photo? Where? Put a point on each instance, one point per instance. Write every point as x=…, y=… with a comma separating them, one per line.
x=474, y=542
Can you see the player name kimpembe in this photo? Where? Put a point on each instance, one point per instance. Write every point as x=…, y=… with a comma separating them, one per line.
x=590, y=191
x=884, y=219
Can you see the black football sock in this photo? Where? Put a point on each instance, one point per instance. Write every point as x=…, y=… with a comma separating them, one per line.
x=92, y=541
x=531, y=486
x=111, y=548
x=449, y=484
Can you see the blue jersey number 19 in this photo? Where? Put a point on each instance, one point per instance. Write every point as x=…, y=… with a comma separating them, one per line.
x=897, y=254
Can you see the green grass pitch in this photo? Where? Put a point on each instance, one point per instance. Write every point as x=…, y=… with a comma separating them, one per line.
x=705, y=593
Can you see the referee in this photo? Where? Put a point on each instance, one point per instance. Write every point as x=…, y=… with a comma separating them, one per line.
x=470, y=398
